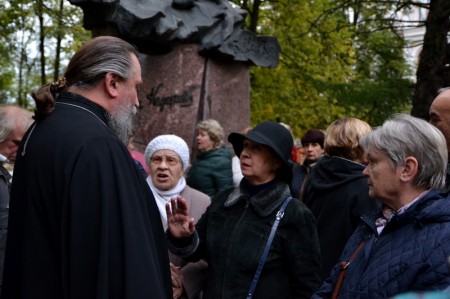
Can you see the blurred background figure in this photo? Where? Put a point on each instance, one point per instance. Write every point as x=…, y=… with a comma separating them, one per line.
x=297, y=173
x=211, y=171
x=233, y=232
x=440, y=118
x=236, y=164
x=293, y=156
x=336, y=190
x=301, y=155
x=138, y=158
x=14, y=122
x=167, y=157
x=312, y=142
x=312, y=145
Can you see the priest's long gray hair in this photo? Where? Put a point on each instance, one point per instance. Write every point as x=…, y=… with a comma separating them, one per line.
x=403, y=136
x=101, y=55
x=89, y=65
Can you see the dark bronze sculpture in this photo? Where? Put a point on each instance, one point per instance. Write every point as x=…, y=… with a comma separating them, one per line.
x=156, y=26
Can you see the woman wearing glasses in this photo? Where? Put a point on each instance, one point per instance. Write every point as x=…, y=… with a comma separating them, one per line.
x=167, y=157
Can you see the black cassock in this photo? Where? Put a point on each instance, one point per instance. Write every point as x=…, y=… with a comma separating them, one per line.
x=83, y=222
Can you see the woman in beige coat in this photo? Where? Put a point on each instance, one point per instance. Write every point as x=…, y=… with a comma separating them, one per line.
x=167, y=157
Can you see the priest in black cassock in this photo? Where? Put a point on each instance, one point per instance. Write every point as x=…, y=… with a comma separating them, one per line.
x=83, y=222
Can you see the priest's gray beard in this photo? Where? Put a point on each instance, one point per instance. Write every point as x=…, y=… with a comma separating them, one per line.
x=121, y=120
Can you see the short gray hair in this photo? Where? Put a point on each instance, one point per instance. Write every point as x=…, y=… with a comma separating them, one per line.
x=11, y=117
x=402, y=136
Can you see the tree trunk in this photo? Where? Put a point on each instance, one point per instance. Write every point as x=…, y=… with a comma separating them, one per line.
x=254, y=16
x=40, y=15
x=20, y=98
x=58, y=40
x=432, y=72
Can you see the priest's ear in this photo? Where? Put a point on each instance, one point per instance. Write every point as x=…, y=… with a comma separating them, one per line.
x=111, y=84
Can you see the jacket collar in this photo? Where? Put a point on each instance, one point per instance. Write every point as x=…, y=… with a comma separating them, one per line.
x=432, y=207
x=80, y=102
x=265, y=202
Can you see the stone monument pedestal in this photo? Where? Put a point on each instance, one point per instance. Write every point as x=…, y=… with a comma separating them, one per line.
x=182, y=87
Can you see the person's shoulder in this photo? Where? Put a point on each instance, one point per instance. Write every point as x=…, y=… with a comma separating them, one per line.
x=198, y=201
x=107, y=143
x=297, y=214
x=222, y=158
x=196, y=194
x=103, y=151
x=222, y=153
x=298, y=205
x=434, y=207
x=298, y=209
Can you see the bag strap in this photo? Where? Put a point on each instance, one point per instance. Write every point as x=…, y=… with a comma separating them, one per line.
x=278, y=217
x=344, y=266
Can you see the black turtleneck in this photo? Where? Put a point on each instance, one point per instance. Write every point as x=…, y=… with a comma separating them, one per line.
x=255, y=189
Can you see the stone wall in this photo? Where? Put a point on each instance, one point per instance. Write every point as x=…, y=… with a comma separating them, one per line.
x=182, y=87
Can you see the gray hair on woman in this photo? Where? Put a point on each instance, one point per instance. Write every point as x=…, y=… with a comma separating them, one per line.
x=402, y=136
x=214, y=130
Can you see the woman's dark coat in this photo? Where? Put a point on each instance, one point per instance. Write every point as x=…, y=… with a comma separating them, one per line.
x=232, y=236
x=337, y=193
x=410, y=254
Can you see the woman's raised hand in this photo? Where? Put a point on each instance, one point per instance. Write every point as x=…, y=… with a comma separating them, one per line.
x=178, y=221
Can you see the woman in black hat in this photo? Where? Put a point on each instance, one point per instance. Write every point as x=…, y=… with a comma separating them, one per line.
x=233, y=233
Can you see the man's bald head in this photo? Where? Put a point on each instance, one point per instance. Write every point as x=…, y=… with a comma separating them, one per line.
x=440, y=113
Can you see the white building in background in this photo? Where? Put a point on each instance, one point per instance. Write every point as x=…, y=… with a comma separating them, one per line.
x=413, y=34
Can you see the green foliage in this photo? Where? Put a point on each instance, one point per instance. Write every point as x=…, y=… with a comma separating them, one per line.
x=339, y=58
x=330, y=66
x=373, y=101
x=20, y=62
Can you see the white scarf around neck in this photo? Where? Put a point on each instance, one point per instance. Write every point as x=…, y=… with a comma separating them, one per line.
x=163, y=197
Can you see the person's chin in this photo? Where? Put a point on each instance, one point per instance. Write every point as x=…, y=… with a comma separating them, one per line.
x=163, y=185
x=244, y=167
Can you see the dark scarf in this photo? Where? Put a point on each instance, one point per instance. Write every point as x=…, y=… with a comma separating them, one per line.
x=265, y=198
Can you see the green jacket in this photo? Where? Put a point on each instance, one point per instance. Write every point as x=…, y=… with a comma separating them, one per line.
x=211, y=172
x=232, y=234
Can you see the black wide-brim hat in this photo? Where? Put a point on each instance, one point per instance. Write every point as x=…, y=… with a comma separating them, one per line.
x=271, y=134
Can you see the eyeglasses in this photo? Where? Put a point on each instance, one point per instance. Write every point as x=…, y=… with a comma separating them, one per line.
x=157, y=160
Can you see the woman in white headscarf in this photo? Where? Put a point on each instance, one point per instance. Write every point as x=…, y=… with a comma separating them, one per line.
x=167, y=157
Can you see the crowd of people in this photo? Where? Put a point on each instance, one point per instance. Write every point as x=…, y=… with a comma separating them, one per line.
x=366, y=213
